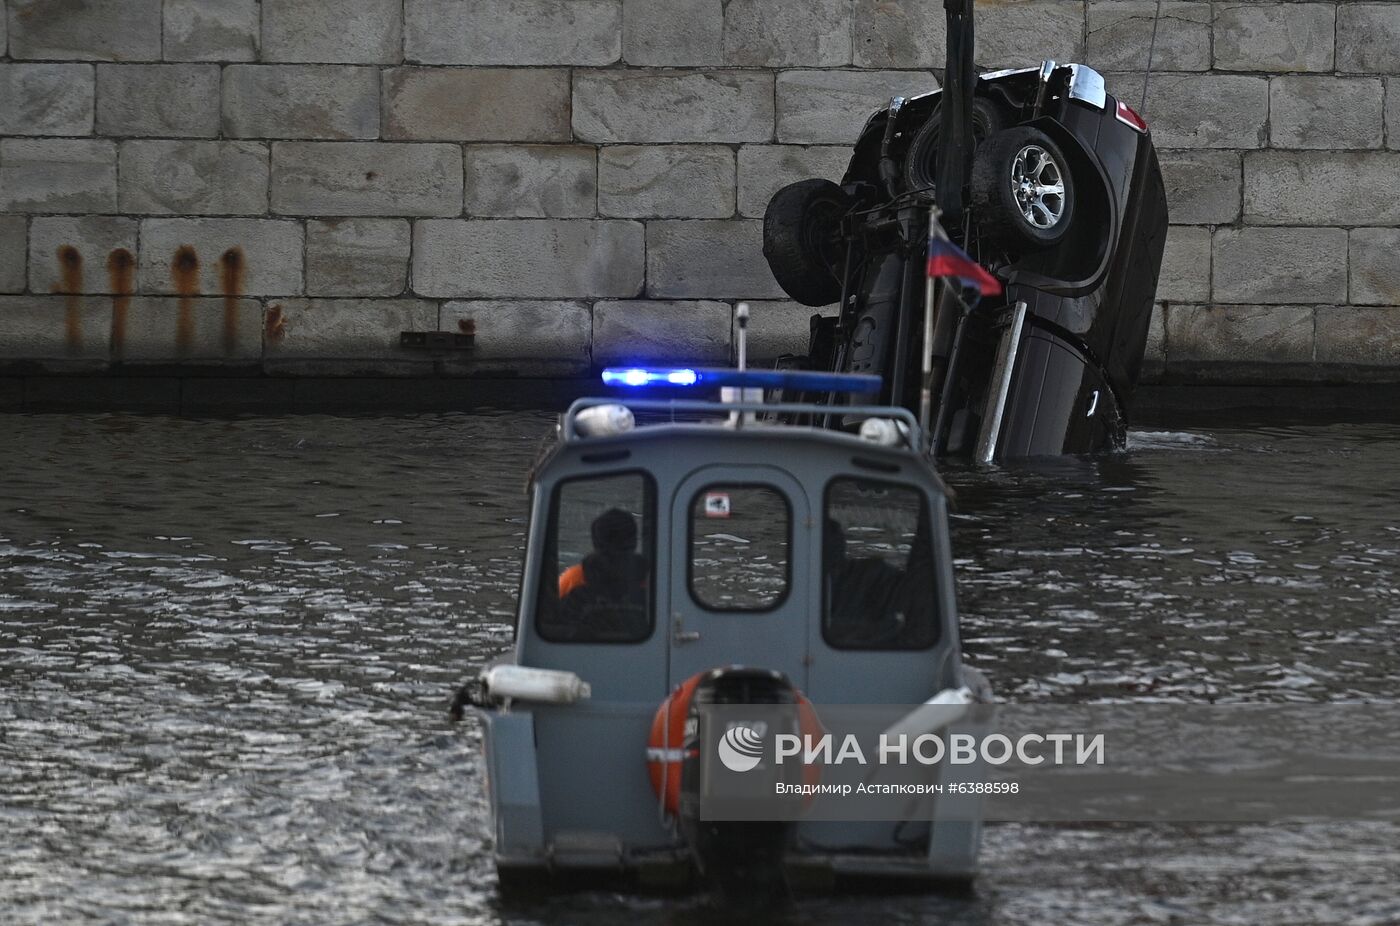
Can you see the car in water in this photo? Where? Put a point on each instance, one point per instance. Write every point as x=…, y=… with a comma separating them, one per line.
x=1051, y=184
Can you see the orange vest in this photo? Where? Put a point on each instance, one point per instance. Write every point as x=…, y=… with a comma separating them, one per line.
x=571, y=579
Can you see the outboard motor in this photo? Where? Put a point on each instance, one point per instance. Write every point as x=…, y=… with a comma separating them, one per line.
x=742, y=860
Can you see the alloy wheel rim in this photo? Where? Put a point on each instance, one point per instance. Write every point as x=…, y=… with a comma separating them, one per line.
x=1038, y=185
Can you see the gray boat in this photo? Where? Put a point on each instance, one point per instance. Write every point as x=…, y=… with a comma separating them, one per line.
x=698, y=551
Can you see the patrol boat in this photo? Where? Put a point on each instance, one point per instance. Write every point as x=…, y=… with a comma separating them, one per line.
x=693, y=552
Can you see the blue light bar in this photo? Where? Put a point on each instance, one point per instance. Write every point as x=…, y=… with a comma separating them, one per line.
x=636, y=376
x=798, y=380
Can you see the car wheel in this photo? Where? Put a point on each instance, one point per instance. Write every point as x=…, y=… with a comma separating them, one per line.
x=921, y=162
x=801, y=240
x=1022, y=189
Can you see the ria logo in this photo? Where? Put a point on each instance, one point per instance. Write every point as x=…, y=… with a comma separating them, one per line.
x=741, y=747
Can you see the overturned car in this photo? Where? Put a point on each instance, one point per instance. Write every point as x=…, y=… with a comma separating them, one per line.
x=1046, y=180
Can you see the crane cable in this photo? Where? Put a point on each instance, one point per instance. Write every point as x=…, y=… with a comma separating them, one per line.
x=1151, y=48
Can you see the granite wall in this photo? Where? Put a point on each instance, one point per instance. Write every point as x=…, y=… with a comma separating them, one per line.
x=284, y=186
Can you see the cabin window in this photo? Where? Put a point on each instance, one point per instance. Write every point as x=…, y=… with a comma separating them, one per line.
x=598, y=577
x=878, y=568
x=740, y=536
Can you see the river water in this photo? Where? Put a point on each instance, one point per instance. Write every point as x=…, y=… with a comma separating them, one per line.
x=226, y=647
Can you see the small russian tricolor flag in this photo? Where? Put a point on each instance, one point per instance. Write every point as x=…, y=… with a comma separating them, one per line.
x=946, y=259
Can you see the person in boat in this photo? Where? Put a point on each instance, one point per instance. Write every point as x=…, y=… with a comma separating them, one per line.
x=605, y=595
x=864, y=595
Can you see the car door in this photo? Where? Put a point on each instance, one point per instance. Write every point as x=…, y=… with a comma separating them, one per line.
x=740, y=574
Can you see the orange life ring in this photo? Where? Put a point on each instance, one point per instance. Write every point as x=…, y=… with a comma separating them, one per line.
x=666, y=745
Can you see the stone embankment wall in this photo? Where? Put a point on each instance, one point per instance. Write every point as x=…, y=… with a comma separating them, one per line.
x=284, y=186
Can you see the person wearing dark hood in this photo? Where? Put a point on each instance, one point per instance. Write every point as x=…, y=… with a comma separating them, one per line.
x=862, y=594
x=609, y=585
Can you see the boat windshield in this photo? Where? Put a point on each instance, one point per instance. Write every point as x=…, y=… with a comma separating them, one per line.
x=597, y=579
x=877, y=567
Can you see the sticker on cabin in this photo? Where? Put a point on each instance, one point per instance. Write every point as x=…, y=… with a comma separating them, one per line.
x=716, y=504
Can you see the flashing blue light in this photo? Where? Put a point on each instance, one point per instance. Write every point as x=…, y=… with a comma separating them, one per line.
x=799, y=380
x=637, y=376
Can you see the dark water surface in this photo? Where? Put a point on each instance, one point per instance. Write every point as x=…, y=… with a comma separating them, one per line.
x=226, y=646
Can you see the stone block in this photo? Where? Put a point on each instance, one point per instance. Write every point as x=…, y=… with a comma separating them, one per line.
x=332, y=31
x=357, y=257
x=202, y=331
x=673, y=33
x=476, y=104
x=532, y=181
x=347, y=336
x=1375, y=266
x=1358, y=337
x=46, y=99
x=692, y=181
x=270, y=262
x=55, y=332
x=1321, y=188
x=14, y=235
x=1120, y=34
x=1020, y=33
x=194, y=177
x=673, y=106
x=641, y=331
x=899, y=34
x=514, y=32
x=64, y=250
x=708, y=257
x=1275, y=36
x=1368, y=38
x=1201, y=110
x=58, y=175
x=158, y=99
x=366, y=178
x=778, y=328
x=1280, y=265
x=1240, y=334
x=1185, y=265
x=765, y=169
x=300, y=101
x=787, y=33
x=85, y=30
x=1203, y=186
x=1392, y=112
x=211, y=30
x=523, y=337
x=527, y=258
x=1326, y=112
x=829, y=107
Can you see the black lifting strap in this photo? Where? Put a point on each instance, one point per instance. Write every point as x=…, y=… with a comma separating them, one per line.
x=955, y=133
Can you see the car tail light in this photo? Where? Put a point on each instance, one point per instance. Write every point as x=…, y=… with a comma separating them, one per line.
x=1129, y=117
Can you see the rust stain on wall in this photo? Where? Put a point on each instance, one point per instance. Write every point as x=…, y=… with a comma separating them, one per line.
x=120, y=269
x=231, y=269
x=466, y=325
x=70, y=272
x=274, y=325
x=184, y=272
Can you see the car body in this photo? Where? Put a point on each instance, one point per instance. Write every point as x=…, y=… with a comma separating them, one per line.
x=1049, y=367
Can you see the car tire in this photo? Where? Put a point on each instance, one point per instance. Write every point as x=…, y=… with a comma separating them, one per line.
x=801, y=240
x=1022, y=189
x=921, y=161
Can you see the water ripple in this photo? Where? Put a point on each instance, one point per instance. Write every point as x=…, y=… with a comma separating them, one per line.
x=225, y=648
